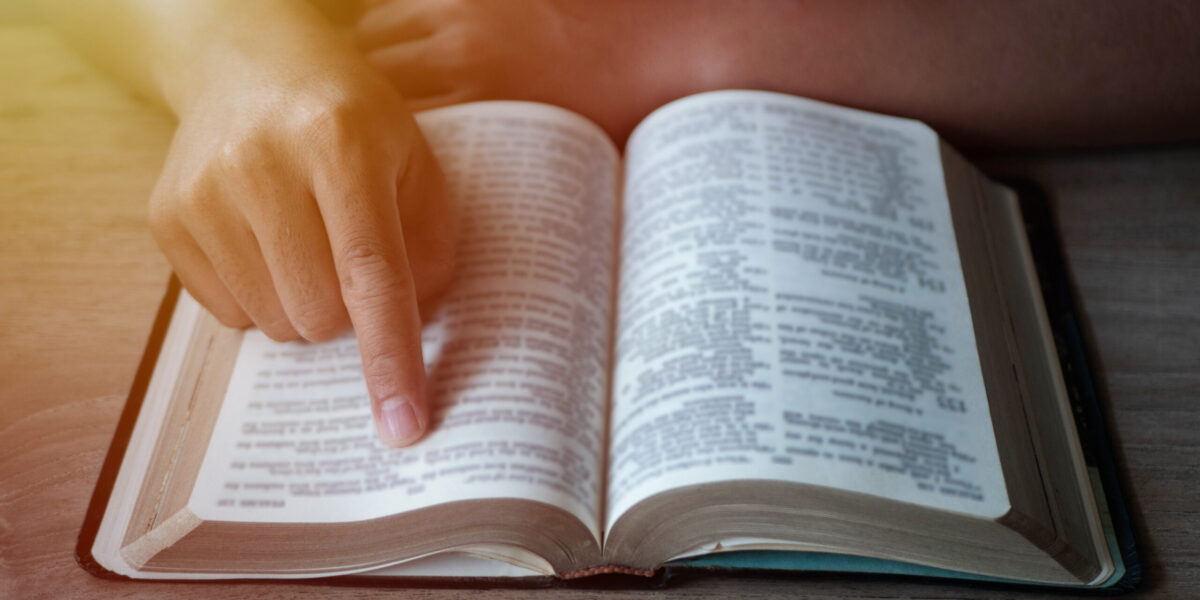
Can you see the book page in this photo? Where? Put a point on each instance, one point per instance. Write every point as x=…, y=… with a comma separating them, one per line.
x=792, y=307
x=517, y=353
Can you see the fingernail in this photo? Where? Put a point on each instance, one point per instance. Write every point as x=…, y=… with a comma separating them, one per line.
x=399, y=424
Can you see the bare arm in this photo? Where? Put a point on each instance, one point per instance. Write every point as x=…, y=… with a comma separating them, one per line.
x=298, y=194
x=1012, y=73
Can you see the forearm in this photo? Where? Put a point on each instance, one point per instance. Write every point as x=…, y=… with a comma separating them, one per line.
x=1020, y=72
x=173, y=51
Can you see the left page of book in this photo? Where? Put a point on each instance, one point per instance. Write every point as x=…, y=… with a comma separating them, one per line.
x=516, y=352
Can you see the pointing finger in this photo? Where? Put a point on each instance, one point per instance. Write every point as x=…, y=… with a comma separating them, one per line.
x=365, y=235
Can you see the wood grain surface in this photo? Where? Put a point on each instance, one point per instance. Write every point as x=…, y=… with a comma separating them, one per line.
x=80, y=279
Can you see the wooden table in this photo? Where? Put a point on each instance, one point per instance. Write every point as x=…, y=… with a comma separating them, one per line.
x=80, y=279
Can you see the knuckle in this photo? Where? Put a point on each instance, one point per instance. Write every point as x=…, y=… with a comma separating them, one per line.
x=362, y=253
x=240, y=154
x=366, y=266
x=375, y=297
x=344, y=134
x=336, y=120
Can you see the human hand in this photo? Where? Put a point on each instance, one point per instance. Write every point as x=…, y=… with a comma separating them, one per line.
x=298, y=195
x=439, y=52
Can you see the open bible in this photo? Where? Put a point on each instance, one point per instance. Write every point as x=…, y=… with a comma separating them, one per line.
x=773, y=325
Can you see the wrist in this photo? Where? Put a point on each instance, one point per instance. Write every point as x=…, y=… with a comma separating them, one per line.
x=221, y=48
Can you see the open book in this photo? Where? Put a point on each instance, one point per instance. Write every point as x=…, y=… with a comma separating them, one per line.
x=774, y=324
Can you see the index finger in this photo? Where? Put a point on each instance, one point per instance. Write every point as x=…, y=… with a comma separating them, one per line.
x=362, y=221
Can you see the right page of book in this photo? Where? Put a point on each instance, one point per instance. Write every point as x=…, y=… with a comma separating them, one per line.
x=792, y=307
